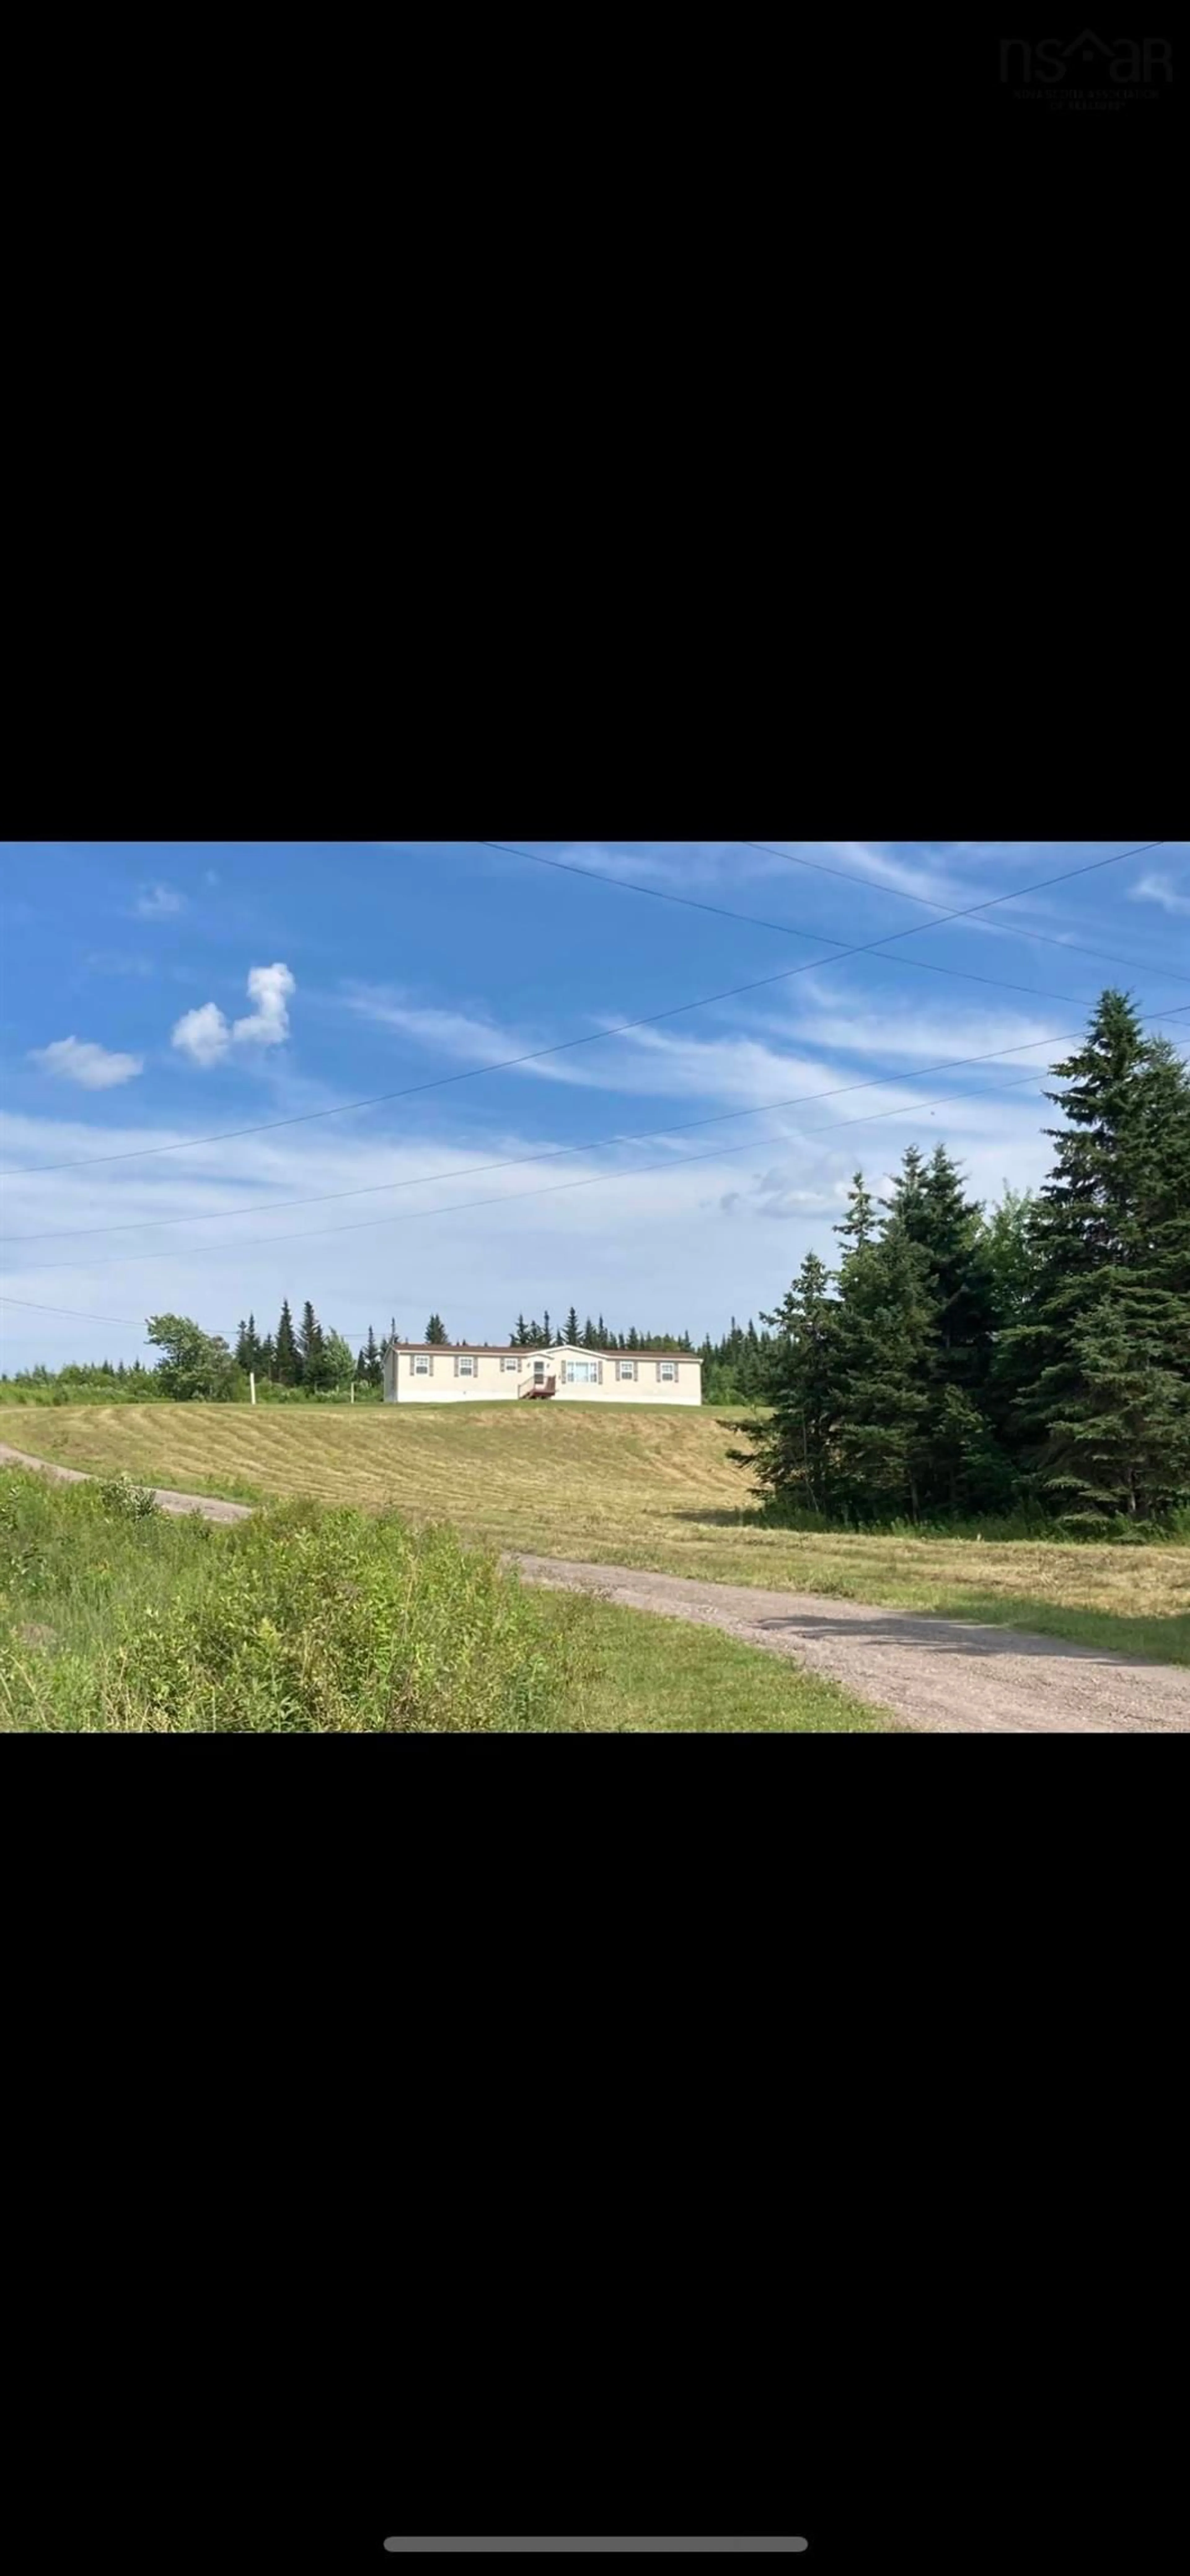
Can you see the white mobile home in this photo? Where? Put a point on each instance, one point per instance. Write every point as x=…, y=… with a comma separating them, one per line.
x=442, y=1373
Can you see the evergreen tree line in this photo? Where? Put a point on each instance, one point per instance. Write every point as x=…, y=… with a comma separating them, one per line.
x=307, y=1356
x=959, y=1361
x=597, y=1335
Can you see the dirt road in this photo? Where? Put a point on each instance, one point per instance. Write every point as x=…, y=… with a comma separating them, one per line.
x=939, y=1676
x=209, y=1507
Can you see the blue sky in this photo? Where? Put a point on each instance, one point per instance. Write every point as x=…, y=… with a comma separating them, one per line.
x=156, y=992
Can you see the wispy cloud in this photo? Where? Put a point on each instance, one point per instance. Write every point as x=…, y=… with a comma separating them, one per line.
x=97, y=1068
x=1156, y=887
x=467, y=1036
x=158, y=902
x=929, y=878
x=455, y=1033
x=843, y=1026
x=207, y=1037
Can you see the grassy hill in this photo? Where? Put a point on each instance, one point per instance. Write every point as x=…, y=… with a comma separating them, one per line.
x=648, y=1488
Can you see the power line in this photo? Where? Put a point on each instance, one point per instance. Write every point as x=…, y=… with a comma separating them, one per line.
x=439, y=1082
x=869, y=1118
x=875, y=885
x=530, y=1055
x=867, y=947
x=758, y=921
x=509, y=1162
x=34, y=1307
x=312, y=1234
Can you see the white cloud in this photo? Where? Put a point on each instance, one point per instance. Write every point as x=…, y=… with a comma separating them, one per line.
x=207, y=1037
x=900, y=1032
x=1155, y=887
x=157, y=902
x=268, y=1025
x=707, y=1238
x=77, y=1060
x=203, y=1035
x=466, y=1035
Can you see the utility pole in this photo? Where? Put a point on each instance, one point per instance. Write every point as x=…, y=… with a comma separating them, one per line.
x=252, y=1385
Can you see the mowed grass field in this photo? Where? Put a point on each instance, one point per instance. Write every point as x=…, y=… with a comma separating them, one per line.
x=644, y=1488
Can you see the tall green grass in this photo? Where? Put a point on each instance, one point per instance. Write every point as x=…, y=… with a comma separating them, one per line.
x=117, y=1619
x=1038, y=1529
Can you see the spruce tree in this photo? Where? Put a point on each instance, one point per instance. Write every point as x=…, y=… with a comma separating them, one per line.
x=1008, y=1256
x=436, y=1330
x=886, y=1332
x=1121, y=1442
x=286, y=1358
x=1112, y=1237
x=859, y=1227
x=963, y=1468
x=545, y=1328
x=248, y=1348
x=794, y=1448
x=312, y=1347
x=572, y=1325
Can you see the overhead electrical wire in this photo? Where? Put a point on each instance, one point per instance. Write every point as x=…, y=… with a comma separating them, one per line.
x=674, y=1162
x=561, y=1046
x=867, y=947
x=868, y=1118
x=508, y=1162
x=35, y=1307
x=312, y=1234
x=876, y=885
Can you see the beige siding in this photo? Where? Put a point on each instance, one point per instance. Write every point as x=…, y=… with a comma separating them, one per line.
x=437, y=1377
x=443, y=1382
x=646, y=1386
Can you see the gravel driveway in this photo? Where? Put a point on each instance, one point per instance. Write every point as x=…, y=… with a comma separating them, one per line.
x=209, y=1507
x=939, y=1676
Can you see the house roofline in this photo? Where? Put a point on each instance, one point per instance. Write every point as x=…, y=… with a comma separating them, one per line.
x=543, y=1350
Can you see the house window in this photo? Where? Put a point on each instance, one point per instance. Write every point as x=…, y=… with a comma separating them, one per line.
x=421, y=1365
x=465, y=1364
x=667, y=1369
x=512, y=1362
x=626, y=1368
x=581, y=1372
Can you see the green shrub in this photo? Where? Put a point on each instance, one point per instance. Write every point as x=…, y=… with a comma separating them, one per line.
x=299, y=1620
x=122, y=1495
